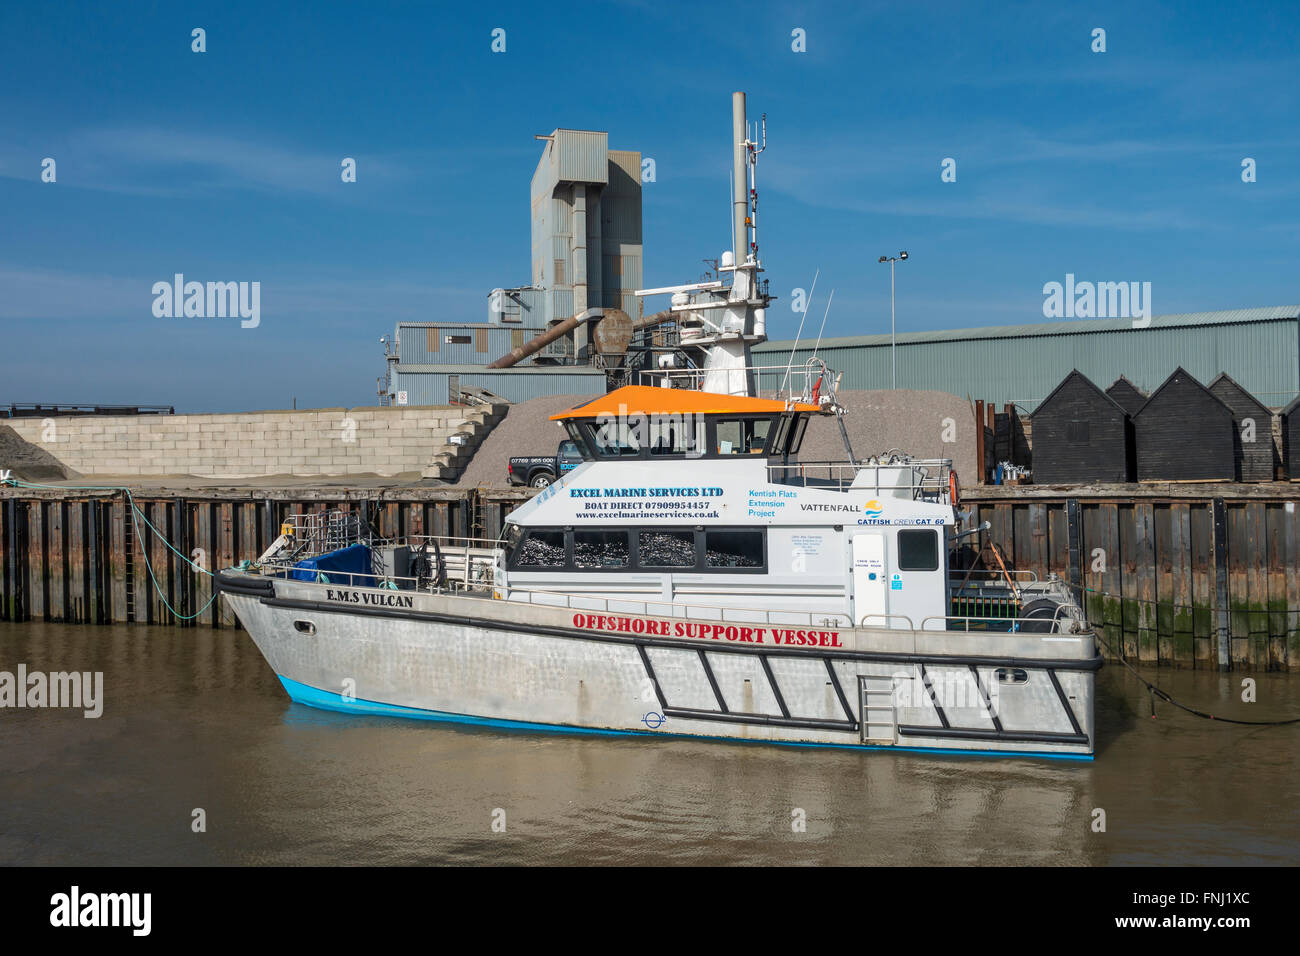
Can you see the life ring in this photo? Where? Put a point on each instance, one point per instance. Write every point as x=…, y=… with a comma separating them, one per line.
x=954, y=489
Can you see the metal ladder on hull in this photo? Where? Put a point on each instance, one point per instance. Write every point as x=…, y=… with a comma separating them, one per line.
x=879, y=723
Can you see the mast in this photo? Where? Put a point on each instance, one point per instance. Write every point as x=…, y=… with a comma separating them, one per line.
x=723, y=323
x=742, y=324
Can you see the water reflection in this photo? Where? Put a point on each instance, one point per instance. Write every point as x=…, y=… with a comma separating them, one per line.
x=195, y=718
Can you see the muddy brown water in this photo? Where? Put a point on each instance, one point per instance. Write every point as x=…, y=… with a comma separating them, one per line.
x=194, y=718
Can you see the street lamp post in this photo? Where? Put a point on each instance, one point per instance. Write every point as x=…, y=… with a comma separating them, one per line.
x=893, y=353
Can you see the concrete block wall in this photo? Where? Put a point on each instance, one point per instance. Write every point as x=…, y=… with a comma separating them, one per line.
x=322, y=441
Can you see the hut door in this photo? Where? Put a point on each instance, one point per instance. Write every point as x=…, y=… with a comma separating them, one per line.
x=869, y=574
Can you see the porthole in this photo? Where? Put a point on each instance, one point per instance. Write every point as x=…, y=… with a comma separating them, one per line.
x=1012, y=675
x=304, y=627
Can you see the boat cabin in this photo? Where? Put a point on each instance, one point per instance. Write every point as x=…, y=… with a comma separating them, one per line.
x=697, y=498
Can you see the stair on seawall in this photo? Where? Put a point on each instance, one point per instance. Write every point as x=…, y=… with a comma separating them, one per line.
x=449, y=460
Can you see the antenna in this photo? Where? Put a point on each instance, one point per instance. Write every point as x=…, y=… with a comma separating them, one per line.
x=731, y=209
x=790, y=364
x=819, y=331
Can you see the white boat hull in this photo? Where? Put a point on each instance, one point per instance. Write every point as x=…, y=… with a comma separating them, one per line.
x=473, y=659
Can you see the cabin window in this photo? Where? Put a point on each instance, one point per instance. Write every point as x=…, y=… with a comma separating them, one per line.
x=741, y=436
x=676, y=435
x=796, y=435
x=577, y=440
x=719, y=550
x=918, y=550
x=666, y=549
x=619, y=437
x=789, y=435
x=542, y=549
x=1012, y=675
x=600, y=549
x=733, y=549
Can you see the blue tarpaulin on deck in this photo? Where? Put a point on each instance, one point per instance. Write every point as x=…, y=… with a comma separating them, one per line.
x=350, y=565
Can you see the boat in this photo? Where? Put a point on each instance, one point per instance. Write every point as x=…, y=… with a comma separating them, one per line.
x=693, y=577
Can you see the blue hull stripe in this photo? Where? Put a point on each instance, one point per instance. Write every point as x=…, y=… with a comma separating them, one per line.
x=327, y=700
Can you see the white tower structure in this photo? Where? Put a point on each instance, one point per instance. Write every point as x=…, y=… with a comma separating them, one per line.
x=725, y=322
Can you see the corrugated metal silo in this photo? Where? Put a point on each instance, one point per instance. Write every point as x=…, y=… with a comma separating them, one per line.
x=1252, y=434
x=1184, y=433
x=1080, y=435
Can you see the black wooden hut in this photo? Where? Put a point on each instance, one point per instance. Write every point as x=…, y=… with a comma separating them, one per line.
x=1127, y=395
x=1252, y=433
x=1184, y=433
x=1291, y=439
x=1080, y=435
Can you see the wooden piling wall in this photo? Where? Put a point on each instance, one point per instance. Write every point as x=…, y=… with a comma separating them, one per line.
x=1189, y=579
x=1186, y=581
x=84, y=557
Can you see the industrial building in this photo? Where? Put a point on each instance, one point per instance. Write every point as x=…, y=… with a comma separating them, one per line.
x=1022, y=364
x=586, y=253
x=587, y=256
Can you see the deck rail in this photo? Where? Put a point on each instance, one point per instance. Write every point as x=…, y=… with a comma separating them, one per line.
x=740, y=615
x=1017, y=624
x=987, y=576
x=916, y=478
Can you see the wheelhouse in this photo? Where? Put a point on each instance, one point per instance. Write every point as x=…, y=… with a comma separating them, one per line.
x=640, y=422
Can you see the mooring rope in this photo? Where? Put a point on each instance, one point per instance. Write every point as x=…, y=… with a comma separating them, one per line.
x=1156, y=691
x=137, y=516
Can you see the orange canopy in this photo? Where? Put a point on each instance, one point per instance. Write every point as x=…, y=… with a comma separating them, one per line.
x=648, y=400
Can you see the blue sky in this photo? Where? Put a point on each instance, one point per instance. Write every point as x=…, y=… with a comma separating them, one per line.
x=1115, y=166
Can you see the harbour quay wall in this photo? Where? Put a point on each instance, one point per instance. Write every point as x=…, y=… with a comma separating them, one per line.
x=1180, y=575
x=1185, y=574
x=326, y=441
x=78, y=556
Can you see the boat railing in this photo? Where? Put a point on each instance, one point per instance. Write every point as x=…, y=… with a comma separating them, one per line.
x=886, y=618
x=647, y=608
x=990, y=622
x=379, y=580
x=985, y=576
x=319, y=532
x=810, y=383
x=738, y=615
x=465, y=558
x=894, y=476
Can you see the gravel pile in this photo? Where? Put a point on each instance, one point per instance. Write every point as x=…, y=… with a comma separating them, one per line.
x=28, y=461
x=916, y=422
x=526, y=430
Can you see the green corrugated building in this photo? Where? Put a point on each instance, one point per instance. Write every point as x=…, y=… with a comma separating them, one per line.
x=1259, y=348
